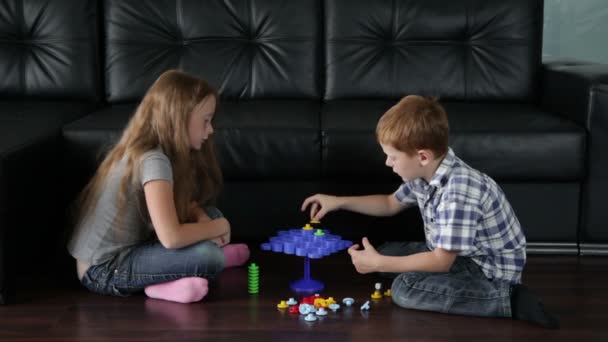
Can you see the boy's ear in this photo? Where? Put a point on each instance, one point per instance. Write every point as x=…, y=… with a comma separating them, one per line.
x=425, y=157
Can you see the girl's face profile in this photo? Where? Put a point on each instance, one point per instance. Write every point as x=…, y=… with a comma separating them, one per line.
x=199, y=124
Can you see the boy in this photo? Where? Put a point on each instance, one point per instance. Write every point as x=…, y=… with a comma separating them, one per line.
x=475, y=249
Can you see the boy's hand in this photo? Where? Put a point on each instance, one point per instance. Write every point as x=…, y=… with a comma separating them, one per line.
x=366, y=260
x=320, y=205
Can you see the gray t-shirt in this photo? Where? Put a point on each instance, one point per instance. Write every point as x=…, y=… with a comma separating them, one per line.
x=98, y=237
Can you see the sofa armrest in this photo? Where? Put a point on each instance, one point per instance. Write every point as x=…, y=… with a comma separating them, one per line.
x=579, y=92
x=5, y=290
x=30, y=214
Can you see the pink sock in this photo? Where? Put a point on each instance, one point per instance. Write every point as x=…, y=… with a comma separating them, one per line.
x=235, y=254
x=184, y=290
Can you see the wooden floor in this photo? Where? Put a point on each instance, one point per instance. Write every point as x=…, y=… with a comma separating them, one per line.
x=574, y=288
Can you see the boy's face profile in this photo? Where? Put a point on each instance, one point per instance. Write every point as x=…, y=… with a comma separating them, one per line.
x=406, y=166
x=199, y=124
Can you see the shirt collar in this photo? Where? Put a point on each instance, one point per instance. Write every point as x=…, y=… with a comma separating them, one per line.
x=440, y=178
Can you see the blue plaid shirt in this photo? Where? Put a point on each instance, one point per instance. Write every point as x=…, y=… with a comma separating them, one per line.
x=465, y=211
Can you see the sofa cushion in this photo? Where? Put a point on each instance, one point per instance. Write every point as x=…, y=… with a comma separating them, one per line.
x=473, y=50
x=246, y=49
x=25, y=122
x=278, y=140
x=255, y=139
x=507, y=141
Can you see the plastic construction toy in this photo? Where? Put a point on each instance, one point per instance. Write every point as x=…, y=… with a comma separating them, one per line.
x=377, y=294
x=254, y=278
x=310, y=244
x=348, y=301
x=365, y=306
x=310, y=317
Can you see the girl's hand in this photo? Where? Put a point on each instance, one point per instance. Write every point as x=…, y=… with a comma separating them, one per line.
x=366, y=260
x=320, y=205
x=223, y=239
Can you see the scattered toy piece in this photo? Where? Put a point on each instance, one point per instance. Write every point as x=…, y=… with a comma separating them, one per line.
x=306, y=309
x=348, y=301
x=333, y=307
x=310, y=317
x=253, y=271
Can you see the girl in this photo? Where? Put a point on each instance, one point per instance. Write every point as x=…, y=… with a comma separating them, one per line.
x=141, y=223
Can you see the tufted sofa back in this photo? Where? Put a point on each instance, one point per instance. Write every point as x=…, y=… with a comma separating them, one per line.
x=247, y=49
x=459, y=50
x=48, y=49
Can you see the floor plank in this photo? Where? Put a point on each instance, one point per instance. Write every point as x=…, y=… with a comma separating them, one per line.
x=574, y=288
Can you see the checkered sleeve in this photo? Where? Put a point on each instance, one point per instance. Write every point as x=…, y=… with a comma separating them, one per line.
x=405, y=194
x=456, y=225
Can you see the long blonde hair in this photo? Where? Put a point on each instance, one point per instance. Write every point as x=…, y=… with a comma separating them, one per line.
x=161, y=119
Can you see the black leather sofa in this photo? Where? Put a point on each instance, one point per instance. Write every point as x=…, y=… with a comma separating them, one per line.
x=303, y=83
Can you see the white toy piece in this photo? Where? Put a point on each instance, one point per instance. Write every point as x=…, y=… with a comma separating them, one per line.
x=310, y=317
x=348, y=301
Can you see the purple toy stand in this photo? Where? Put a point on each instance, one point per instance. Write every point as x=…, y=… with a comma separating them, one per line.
x=307, y=285
x=310, y=244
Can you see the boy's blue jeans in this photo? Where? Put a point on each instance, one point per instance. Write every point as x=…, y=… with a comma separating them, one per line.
x=464, y=290
x=133, y=269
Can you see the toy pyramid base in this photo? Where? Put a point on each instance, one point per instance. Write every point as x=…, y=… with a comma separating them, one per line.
x=307, y=286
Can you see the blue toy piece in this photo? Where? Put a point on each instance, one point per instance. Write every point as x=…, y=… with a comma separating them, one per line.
x=310, y=244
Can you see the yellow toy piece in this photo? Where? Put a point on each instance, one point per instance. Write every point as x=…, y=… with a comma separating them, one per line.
x=377, y=294
x=320, y=303
x=330, y=301
x=282, y=305
x=388, y=293
x=307, y=227
x=314, y=221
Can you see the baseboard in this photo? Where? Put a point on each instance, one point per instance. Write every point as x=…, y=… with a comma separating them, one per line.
x=564, y=248
x=594, y=249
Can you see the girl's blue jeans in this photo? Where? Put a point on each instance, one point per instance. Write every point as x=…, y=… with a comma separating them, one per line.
x=464, y=290
x=150, y=263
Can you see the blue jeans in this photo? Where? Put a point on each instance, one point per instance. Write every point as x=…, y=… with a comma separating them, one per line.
x=464, y=290
x=150, y=263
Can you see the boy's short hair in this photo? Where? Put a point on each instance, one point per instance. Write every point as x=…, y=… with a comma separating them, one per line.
x=413, y=124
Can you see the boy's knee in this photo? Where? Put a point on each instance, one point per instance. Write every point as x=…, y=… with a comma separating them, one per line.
x=402, y=289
